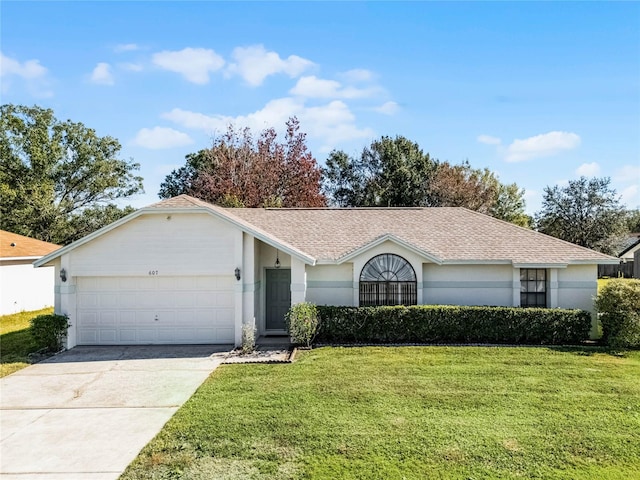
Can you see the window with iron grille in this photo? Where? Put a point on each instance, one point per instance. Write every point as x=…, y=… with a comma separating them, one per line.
x=533, y=287
x=388, y=279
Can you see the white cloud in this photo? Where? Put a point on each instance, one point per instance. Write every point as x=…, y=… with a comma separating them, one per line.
x=102, y=74
x=588, y=169
x=126, y=47
x=29, y=70
x=331, y=124
x=629, y=196
x=543, y=145
x=388, y=108
x=255, y=63
x=357, y=75
x=194, y=64
x=132, y=67
x=489, y=140
x=628, y=173
x=159, y=138
x=31, y=73
x=313, y=87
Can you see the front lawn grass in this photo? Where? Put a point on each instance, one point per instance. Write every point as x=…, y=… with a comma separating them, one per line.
x=16, y=342
x=409, y=412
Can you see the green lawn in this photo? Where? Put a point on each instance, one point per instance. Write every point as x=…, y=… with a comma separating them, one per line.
x=16, y=342
x=412, y=412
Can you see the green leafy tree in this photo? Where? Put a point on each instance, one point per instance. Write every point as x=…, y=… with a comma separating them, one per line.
x=509, y=206
x=586, y=212
x=391, y=172
x=633, y=220
x=58, y=177
x=395, y=172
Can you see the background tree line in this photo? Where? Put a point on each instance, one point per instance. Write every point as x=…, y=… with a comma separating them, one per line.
x=59, y=181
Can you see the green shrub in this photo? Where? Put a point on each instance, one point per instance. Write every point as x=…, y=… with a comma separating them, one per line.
x=453, y=324
x=302, y=323
x=49, y=331
x=618, y=305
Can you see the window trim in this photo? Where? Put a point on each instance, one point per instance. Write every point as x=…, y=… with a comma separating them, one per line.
x=386, y=287
x=531, y=282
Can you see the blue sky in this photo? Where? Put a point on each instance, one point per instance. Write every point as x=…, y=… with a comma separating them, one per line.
x=540, y=93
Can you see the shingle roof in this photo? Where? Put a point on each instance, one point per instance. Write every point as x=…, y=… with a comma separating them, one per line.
x=450, y=234
x=13, y=245
x=631, y=241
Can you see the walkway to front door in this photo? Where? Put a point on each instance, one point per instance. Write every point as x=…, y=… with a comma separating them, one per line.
x=278, y=298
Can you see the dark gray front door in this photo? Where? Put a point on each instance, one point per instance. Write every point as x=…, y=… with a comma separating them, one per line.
x=278, y=297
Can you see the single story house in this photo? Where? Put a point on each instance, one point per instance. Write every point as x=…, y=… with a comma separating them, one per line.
x=184, y=271
x=625, y=254
x=22, y=287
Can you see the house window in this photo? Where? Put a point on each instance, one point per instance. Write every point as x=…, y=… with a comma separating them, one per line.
x=388, y=279
x=533, y=287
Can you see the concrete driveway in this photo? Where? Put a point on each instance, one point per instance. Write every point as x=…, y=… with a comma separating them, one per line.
x=86, y=413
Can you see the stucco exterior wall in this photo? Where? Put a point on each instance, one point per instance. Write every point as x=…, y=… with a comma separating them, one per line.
x=467, y=284
x=176, y=244
x=25, y=288
x=330, y=284
x=577, y=286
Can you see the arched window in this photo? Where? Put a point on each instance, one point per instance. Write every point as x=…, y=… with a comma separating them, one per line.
x=388, y=279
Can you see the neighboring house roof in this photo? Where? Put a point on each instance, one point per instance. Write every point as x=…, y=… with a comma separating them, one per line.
x=334, y=235
x=14, y=246
x=630, y=244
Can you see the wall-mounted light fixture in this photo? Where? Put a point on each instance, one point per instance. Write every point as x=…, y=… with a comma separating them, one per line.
x=63, y=275
x=237, y=272
x=277, y=264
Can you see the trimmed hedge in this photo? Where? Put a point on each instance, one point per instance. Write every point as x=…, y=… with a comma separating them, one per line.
x=452, y=324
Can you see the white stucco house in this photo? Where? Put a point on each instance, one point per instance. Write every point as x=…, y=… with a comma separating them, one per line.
x=23, y=287
x=183, y=271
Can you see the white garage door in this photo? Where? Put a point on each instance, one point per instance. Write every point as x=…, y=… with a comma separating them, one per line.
x=154, y=310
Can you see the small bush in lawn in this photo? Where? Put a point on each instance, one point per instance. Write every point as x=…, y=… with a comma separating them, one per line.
x=302, y=323
x=618, y=304
x=49, y=331
x=249, y=337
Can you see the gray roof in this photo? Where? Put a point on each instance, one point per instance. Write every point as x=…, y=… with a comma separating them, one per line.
x=445, y=234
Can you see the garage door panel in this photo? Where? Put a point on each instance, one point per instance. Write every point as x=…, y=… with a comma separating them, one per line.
x=108, y=336
x=225, y=335
x=108, y=318
x=185, y=299
x=223, y=300
x=88, y=337
x=127, y=300
x=87, y=300
x=127, y=335
x=148, y=310
x=127, y=318
x=224, y=317
x=108, y=300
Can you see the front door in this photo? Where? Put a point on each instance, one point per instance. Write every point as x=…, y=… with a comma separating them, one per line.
x=278, y=299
